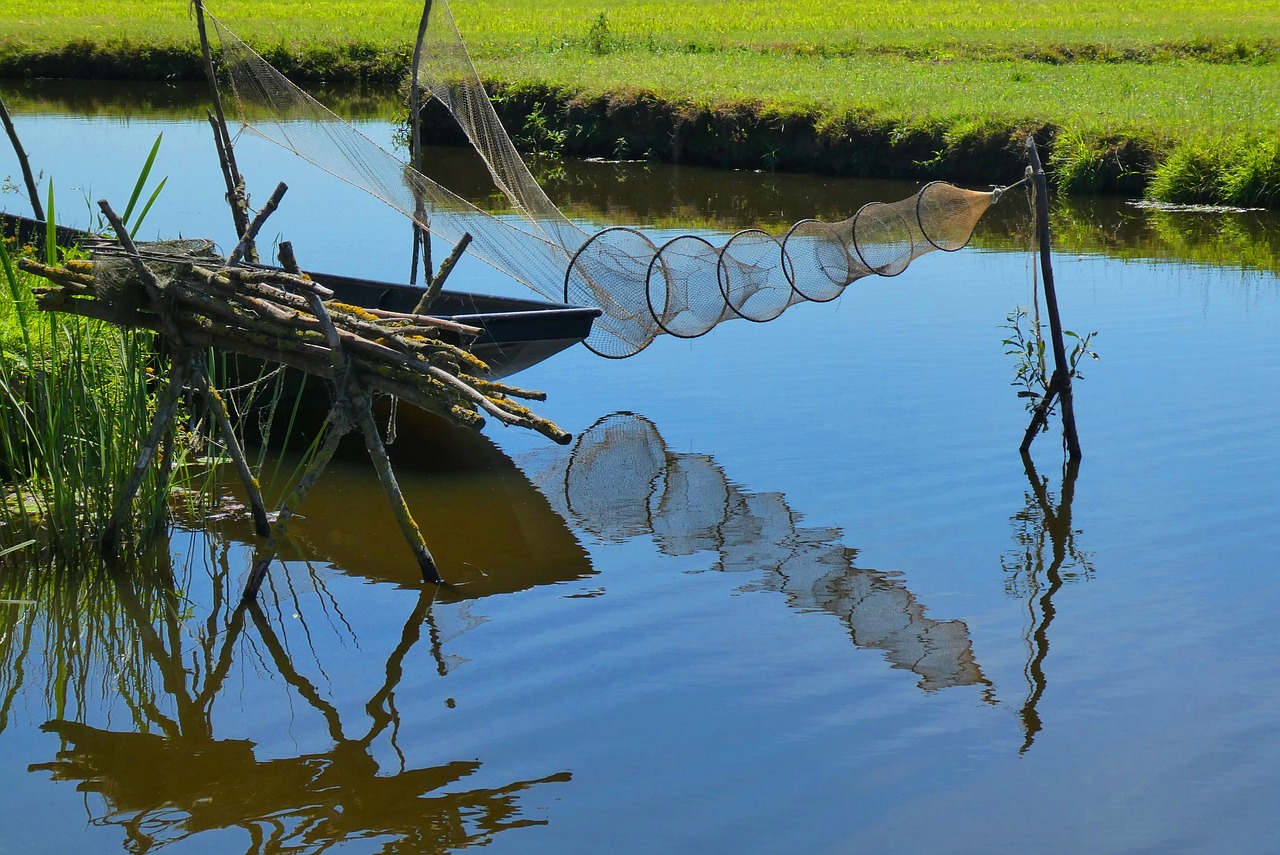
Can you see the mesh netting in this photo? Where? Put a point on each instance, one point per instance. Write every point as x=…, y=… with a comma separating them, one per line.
x=685, y=287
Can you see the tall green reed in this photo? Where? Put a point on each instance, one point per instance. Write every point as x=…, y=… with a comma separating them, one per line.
x=76, y=395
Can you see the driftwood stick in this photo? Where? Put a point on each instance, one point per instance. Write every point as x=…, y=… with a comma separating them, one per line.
x=491, y=388
x=235, y=185
x=279, y=279
x=219, y=409
x=419, y=320
x=506, y=416
x=33, y=192
x=433, y=290
x=154, y=291
x=377, y=451
x=166, y=406
x=1061, y=369
x=245, y=247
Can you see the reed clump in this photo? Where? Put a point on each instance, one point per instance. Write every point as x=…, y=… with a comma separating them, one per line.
x=75, y=395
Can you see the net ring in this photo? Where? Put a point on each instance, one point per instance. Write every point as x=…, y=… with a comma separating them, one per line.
x=619, y=256
x=882, y=238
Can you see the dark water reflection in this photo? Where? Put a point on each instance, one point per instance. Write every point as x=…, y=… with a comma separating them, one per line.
x=169, y=776
x=1047, y=557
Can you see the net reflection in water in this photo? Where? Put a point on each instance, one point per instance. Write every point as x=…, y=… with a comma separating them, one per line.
x=620, y=481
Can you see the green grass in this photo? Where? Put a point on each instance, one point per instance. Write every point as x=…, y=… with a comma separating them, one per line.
x=494, y=27
x=76, y=398
x=1133, y=99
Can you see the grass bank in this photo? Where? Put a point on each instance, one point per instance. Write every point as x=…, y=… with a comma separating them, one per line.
x=1179, y=106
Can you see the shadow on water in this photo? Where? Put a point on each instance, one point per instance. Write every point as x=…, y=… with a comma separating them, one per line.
x=164, y=638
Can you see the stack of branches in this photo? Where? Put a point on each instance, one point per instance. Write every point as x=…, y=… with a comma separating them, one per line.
x=272, y=315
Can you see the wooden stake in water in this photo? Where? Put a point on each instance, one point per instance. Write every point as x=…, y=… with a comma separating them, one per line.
x=1060, y=382
x=27, y=177
x=236, y=197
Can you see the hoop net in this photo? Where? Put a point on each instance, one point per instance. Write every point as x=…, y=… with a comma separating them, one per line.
x=684, y=288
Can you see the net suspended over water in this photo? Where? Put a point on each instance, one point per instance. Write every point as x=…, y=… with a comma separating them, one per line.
x=684, y=286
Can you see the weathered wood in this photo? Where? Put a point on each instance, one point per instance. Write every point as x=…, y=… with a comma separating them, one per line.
x=222, y=139
x=28, y=178
x=387, y=477
x=338, y=427
x=354, y=396
x=1061, y=368
x=166, y=407
x=433, y=290
x=213, y=400
x=281, y=317
x=246, y=240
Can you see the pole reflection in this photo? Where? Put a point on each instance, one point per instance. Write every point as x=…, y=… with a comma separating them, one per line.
x=166, y=775
x=1045, y=559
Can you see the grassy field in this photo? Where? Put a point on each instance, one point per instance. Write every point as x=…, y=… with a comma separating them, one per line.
x=1193, y=85
x=1029, y=27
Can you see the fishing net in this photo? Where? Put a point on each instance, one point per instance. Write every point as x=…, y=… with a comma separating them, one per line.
x=684, y=288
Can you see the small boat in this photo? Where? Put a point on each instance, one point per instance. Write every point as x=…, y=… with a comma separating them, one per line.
x=517, y=332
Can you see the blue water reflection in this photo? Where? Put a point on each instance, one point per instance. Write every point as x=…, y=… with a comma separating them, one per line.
x=816, y=602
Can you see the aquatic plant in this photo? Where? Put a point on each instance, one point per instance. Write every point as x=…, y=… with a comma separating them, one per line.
x=76, y=395
x=1029, y=349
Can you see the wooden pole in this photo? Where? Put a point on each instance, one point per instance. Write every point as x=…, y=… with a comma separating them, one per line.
x=226, y=153
x=27, y=177
x=387, y=477
x=433, y=290
x=218, y=407
x=350, y=394
x=1061, y=380
x=337, y=428
x=245, y=247
x=166, y=406
x=421, y=237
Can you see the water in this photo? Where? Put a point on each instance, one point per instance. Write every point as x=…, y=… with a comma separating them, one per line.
x=792, y=590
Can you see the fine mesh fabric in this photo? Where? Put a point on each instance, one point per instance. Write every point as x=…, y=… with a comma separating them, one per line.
x=684, y=288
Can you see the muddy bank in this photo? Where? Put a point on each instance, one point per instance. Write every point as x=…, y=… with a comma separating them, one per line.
x=641, y=126
x=636, y=125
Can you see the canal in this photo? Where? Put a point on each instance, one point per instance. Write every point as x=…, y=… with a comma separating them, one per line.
x=790, y=589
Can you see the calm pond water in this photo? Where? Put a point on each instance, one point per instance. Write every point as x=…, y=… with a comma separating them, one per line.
x=792, y=589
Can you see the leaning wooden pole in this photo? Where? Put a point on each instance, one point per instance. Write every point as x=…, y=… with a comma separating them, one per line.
x=1061, y=380
x=421, y=237
x=27, y=177
x=222, y=139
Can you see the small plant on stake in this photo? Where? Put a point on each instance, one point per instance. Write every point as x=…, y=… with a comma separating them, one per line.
x=1029, y=348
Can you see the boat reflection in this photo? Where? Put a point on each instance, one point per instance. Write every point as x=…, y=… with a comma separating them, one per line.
x=490, y=530
x=621, y=481
x=168, y=776
x=1046, y=558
